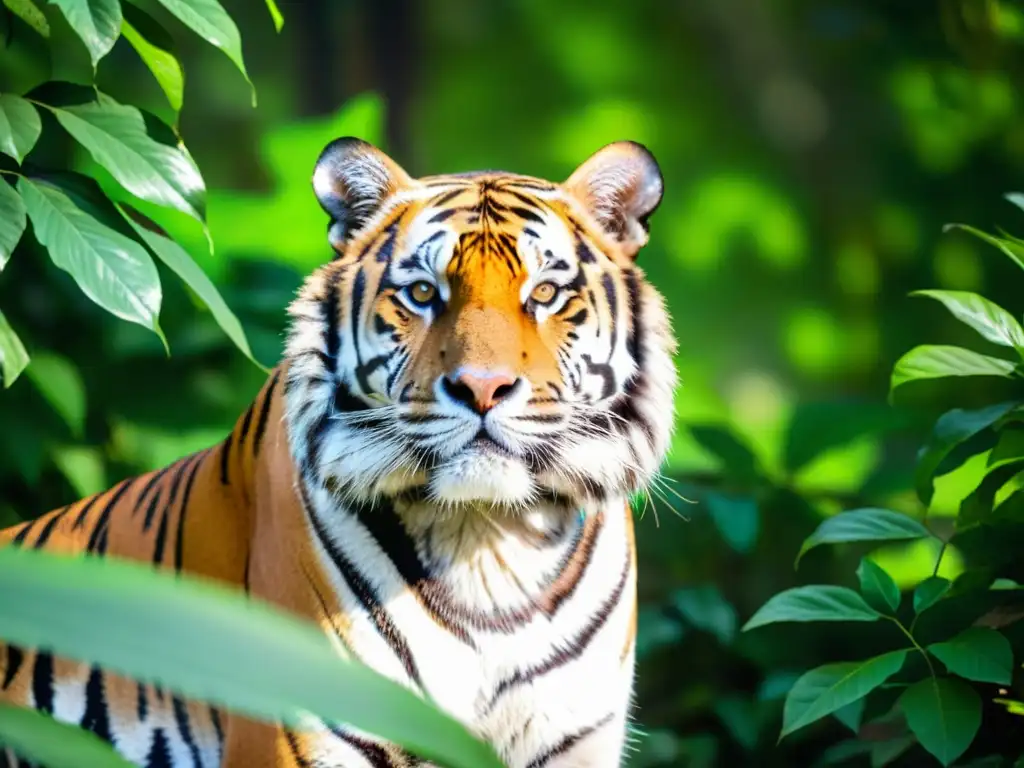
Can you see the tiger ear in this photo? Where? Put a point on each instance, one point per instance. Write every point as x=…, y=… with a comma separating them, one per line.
x=351, y=180
x=621, y=186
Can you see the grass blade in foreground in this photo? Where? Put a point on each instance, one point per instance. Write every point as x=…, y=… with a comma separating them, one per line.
x=209, y=643
x=38, y=737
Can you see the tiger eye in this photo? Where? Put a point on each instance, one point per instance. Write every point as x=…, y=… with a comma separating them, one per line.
x=544, y=293
x=422, y=292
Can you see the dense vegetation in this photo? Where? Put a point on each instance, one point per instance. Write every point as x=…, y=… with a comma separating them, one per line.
x=839, y=582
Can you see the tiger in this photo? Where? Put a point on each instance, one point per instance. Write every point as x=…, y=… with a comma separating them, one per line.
x=437, y=474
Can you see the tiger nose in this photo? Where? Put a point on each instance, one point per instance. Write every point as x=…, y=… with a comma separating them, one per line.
x=481, y=392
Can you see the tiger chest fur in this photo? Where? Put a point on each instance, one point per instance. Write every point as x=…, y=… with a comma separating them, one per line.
x=436, y=474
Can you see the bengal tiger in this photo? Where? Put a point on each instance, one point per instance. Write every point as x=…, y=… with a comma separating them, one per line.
x=437, y=473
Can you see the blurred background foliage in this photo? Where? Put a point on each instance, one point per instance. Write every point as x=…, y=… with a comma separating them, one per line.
x=812, y=152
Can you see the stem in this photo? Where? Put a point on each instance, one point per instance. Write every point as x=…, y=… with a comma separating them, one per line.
x=12, y=173
x=938, y=560
x=913, y=640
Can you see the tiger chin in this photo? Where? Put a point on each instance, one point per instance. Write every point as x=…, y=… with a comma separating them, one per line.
x=436, y=473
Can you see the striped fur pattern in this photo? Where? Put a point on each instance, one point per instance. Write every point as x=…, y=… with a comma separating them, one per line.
x=436, y=474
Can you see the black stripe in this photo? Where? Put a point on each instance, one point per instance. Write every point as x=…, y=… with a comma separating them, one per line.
x=165, y=512
x=332, y=338
x=20, y=537
x=261, y=422
x=141, y=702
x=217, y=727
x=151, y=510
x=225, y=457
x=14, y=659
x=42, y=682
x=149, y=487
x=181, y=719
x=96, y=717
x=179, y=543
x=574, y=650
x=364, y=593
x=526, y=213
x=635, y=340
x=246, y=423
x=567, y=743
x=446, y=197
x=293, y=747
x=98, y=538
x=612, y=297
x=159, y=752
x=374, y=754
x=356, y=299
x=384, y=525
x=84, y=511
x=44, y=534
x=583, y=253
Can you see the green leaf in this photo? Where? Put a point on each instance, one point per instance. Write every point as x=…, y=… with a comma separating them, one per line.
x=116, y=137
x=209, y=20
x=931, y=361
x=59, y=382
x=736, y=457
x=944, y=714
x=851, y=714
x=20, y=126
x=868, y=524
x=155, y=50
x=1003, y=246
x=1009, y=448
x=705, y=608
x=977, y=506
x=275, y=14
x=813, y=603
x=112, y=270
x=929, y=592
x=12, y=221
x=97, y=22
x=987, y=318
x=214, y=644
x=13, y=357
x=737, y=519
x=951, y=429
x=175, y=257
x=816, y=427
x=28, y=12
x=38, y=737
x=877, y=586
x=822, y=691
x=977, y=653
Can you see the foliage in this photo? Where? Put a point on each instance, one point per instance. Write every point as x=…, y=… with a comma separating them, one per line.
x=938, y=704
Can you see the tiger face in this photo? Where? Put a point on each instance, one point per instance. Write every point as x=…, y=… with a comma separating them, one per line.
x=482, y=338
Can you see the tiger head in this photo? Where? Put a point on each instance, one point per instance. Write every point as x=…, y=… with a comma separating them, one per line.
x=482, y=338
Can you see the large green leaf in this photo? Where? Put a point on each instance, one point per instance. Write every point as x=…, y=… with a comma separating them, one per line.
x=977, y=507
x=116, y=137
x=20, y=126
x=813, y=603
x=155, y=48
x=823, y=690
x=29, y=12
x=209, y=20
x=977, y=653
x=61, y=385
x=951, y=429
x=97, y=22
x=13, y=357
x=944, y=714
x=987, y=318
x=38, y=737
x=877, y=586
x=175, y=257
x=934, y=361
x=12, y=221
x=112, y=270
x=868, y=524
x=816, y=427
x=214, y=644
